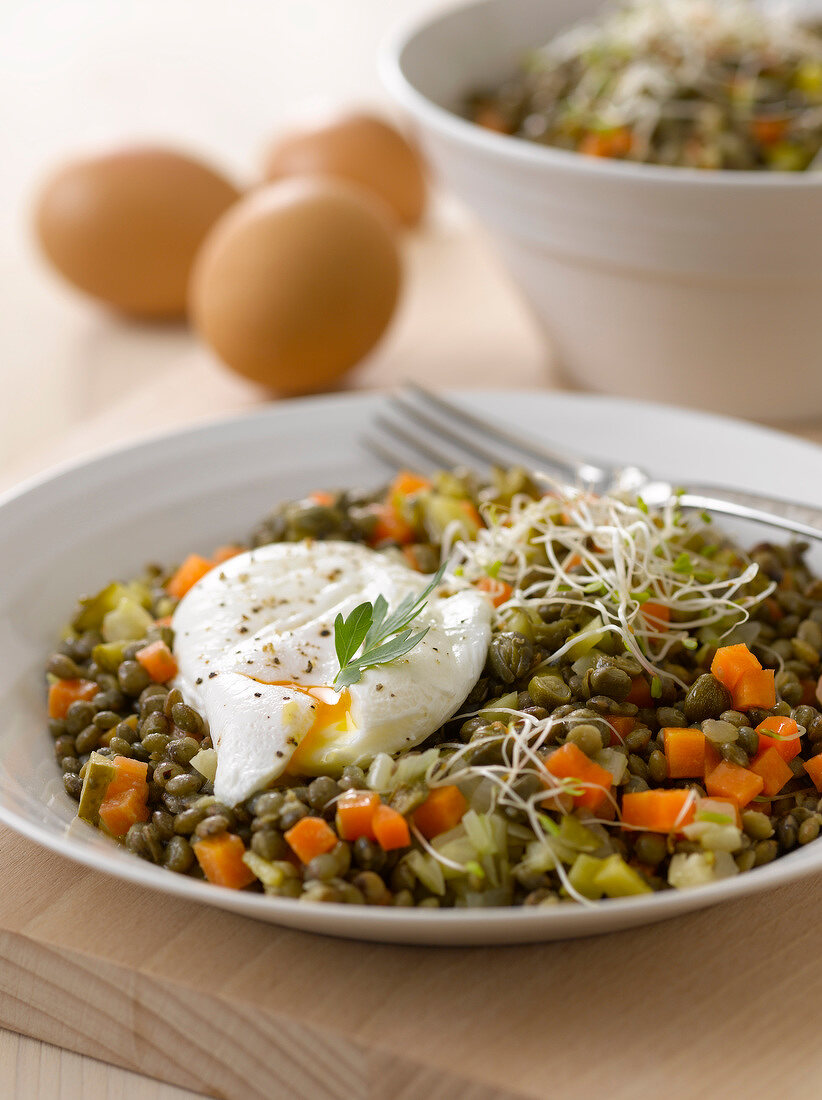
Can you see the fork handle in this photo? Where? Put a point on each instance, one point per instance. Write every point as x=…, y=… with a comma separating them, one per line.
x=798, y=519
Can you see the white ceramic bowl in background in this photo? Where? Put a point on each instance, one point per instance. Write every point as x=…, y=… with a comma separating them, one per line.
x=699, y=288
x=77, y=529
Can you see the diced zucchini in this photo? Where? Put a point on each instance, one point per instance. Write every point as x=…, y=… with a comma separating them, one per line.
x=576, y=835
x=108, y=655
x=586, y=639
x=439, y=512
x=93, y=609
x=271, y=873
x=618, y=880
x=99, y=772
x=428, y=870
x=583, y=876
x=206, y=763
x=490, y=712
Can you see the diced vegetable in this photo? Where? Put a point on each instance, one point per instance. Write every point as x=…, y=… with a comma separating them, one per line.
x=158, y=661
x=390, y=526
x=404, y=485
x=390, y=829
x=781, y=734
x=577, y=835
x=355, y=814
x=731, y=663
x=109, y=655
x=93, y=609
x=570, y=762
x=226, y=553
x=100, y=771
x=658, y=811
x=700, y=868
x=685, y=752
x=128, y=621
x=310, y=837
x=189, y=572
x=130, y=775
x=221, y=860
x=714, y=836
x=428, y=870
x=442, y=810
x=622, y=727
x=119, y=812
x=755, y=689
x=814, y=769
x=774, y=771
x=657, y=616
x=498, y=591
x=640, y=693
x=63, y=693
x=712, y=757
x=617, y=880
x=583, y=876
x=729, y=780
x=206, y=763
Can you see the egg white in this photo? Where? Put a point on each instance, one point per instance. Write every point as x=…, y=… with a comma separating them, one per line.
x=254, y=641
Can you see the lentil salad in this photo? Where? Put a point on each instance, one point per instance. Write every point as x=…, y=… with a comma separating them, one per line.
x=711, y=84
x=647, y=718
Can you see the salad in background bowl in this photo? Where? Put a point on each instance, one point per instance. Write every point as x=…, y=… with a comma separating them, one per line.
x=653, y=280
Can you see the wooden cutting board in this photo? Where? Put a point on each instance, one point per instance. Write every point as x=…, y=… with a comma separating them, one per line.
x=721, y=1001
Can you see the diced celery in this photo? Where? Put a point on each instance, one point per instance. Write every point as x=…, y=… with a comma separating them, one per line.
x=206, y=763
x=714, y=837
x=583, y=876
x=413, y=766
x=99, y=772
x=699, y=868
x=128, y=621
x=494, y=712
x=439, y=512
x=576, y=835
x=481, y=832
x=586, y=639
x=271, y=873
x=614, y=762
x=380, y=772
x=540, y=856
x=618, y=880
x=93, y=609
x=428, y=870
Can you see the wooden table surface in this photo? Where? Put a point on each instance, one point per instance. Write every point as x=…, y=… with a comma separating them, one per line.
x=725, y=998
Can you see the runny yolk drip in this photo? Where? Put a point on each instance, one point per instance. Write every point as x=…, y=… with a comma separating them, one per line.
x=327, y=714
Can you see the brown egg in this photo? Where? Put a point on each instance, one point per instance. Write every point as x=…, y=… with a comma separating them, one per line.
x=125, y=227
x=359, y=148
x=297, y=283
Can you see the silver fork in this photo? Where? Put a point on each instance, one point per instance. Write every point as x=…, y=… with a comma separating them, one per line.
x=421, y=428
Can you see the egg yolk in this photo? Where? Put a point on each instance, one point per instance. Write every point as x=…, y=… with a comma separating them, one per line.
x=332, y=714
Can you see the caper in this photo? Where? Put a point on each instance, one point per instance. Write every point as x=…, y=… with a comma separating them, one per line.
x=650, y=848
x=269, y=844
x=132, y=677
x=187, y=719
x=611, y=681
x=510, y=656
x=707, y=698
x=586, y=737
x=549, y=690
x=321, y=791
x=179, y=855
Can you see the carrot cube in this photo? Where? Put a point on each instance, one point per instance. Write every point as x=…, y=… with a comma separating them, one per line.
x=814, y=769
x=570, y=762
x=659, y=811
x=119, y=812
x=221, y=860
x=131, y=775
x=731, y=663
x=63, y=693
x=355, y=814
x=774, y=771
x=620, y=728
x=685, y=752
x=158, y=661
x=311, y=837
x=441, y=811
x=781, y=734
x=729, y=780
x=391, y=829
x=192, y=569
x=640, y=693
x=755, y=689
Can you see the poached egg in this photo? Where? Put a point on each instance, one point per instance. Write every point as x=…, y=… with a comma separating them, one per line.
x=254, y=642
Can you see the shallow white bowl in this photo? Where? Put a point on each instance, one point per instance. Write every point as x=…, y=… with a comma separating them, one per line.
x=76, y=530
x=698, y=288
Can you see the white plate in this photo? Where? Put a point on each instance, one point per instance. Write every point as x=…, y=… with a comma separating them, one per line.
x=77, y=529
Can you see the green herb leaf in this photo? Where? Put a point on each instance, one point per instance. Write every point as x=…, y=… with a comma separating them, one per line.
x=349, y=633
x=383, y=637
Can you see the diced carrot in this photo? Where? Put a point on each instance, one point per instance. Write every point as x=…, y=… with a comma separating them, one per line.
x=609, y=143
x=471, y=514
x=657, y=615
x=391, y=829
x=640, y=693
x=63, y=693
x=769, y=131
x=570, y=762
x=755, y=689
x=685, y=752
x=119, y=812
x=731, y=663
x=729, y=780
x=221, y=859
x=814, y=769
x=311, y=837
x=659, y=811
x=321, y=497
x=355, y=814
x=389, y=526
x=442, y=810
x=774, y=610
x=131, y=775
x=192, y=569
x=774, y=771
x=620, y=728
x=226, y=553
x=786, y=742
x=158, y=661
x=712, y=757
x=164, y=621
x=499, y=591
x=406, y=484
